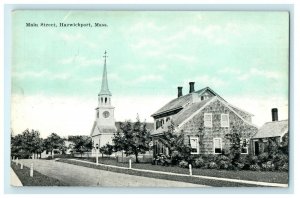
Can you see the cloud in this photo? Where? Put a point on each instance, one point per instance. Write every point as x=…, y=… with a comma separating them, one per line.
x=80, y=61
x=255, y=72
x=41, y=74
x=206, y=81
x=147, y=78
x=77, y=38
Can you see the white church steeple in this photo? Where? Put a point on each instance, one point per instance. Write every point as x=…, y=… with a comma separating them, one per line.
x=104, y=125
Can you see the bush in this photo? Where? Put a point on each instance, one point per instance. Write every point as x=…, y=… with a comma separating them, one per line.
x=264, y=157
x=240, y=165
x=176, y=157
x=199, y=162
x=212, y=165
x=223, y=162
x=252, y=160
x=284, y=167
x=183, y=164
x=255, y=167
x=268, y=166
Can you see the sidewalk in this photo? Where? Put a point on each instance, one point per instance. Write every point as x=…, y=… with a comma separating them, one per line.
x=14, y=180
x=267, y=184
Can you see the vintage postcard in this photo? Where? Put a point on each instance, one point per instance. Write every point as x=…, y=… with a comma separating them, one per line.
x=150, y=98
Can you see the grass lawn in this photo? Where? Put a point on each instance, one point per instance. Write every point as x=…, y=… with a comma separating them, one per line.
x=275, y=177
x=38, y=179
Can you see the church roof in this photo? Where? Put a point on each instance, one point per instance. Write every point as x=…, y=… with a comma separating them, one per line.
x=104, y=86
x=273, y=129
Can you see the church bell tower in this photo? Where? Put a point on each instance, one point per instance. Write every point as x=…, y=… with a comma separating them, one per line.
x=104, y=125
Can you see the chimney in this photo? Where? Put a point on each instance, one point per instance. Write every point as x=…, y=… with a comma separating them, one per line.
x=274, y=114
x=192, y=87
x=179, y=91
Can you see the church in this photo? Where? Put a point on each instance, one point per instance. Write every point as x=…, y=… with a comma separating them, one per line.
x=104, y=126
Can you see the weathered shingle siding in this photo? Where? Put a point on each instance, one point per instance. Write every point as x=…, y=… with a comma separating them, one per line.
x=243, y=114
x=191, y=128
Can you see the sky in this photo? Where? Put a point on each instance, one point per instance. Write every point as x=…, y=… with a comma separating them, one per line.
x=56, y=71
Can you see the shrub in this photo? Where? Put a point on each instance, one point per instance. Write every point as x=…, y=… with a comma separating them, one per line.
x=199, y=162
x=183, y=164
x=284, y=167
x=280, y=160
x=212, y=165
x=254, y=167
x=176, y=157
x=224, y=165
x=252, y=160
x=268, y=166
x=240, y=165
x=263, y=157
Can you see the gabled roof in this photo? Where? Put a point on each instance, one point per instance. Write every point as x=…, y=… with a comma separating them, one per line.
x=189, y=110
x=179, y=102
x=273, y=129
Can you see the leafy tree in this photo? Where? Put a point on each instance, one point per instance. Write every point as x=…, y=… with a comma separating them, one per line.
x=134, y=138
x=107, y=149
x=235, y=146
x=25, y=144
x=81, y=143
x=175, y=142
x=54, y=141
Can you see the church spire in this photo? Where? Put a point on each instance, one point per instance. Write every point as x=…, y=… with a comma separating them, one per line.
x=104, y=85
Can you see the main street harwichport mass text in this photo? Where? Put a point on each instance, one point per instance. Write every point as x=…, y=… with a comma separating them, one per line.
x=75, y=25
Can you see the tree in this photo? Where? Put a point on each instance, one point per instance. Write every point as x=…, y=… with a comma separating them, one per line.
x=54, y=141
x=134, y=138
x=28, y=143
x=175, y=142
x=235, y=146
x=81, y=143
x=107, y=149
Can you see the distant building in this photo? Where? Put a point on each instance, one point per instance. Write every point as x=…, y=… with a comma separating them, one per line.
x=275, y=130
x=104, y=125
x=204, y=118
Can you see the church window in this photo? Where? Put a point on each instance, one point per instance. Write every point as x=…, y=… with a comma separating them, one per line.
x=168, y=118
x=105, y=100
x=101, y=100
x=207, y=119
x=97, y=114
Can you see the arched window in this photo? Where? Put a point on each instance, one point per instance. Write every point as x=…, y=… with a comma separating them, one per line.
x=105, y=100
x=97, y=114
x=101, y=100
x=168, y=118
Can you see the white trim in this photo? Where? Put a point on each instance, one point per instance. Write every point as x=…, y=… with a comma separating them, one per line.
x=197, y=144
x=220, y=144
x=196, y=112
x=285, y=132
x=227, y=114
x=228, y=106
x=211, y=122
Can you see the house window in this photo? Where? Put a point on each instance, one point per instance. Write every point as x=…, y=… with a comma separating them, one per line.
x=207, y=120
x=224, y=120
x=202, y=98
x=244, y=146
x=217, y=145
x=194, y=141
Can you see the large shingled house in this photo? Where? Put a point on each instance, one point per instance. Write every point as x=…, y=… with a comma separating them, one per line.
x=204, y=118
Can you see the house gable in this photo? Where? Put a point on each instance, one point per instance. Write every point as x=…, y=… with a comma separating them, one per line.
x=194, y=126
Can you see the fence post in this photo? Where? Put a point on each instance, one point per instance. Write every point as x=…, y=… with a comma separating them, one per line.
x=31, y=170
x=190, y=169
x=21, y=165
x=97, y=157
x=129, y=163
